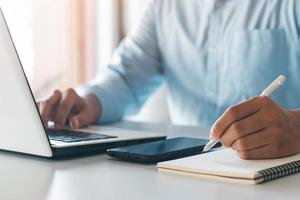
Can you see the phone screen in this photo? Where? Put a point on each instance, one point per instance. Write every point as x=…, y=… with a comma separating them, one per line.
x=160, y=150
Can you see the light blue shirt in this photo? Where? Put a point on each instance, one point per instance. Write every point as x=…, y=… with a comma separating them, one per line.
x=212, y=54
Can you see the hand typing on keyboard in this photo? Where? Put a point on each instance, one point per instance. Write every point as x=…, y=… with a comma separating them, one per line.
x=68, y=108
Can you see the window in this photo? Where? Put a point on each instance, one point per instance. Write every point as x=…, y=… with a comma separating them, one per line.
x=42, y=32
x=62, y=43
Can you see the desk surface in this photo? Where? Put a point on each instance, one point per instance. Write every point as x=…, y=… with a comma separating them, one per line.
x=100, y=177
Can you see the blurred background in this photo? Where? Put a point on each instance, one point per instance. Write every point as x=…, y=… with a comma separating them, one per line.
x=64, y=43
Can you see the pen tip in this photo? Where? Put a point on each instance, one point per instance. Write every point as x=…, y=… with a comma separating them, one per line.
x=281, y=79
x=205, y=149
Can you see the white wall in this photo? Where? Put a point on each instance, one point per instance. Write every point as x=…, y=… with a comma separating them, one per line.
x=155, y=109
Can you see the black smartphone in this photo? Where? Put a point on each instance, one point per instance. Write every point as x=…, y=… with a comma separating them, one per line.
x=162, y=150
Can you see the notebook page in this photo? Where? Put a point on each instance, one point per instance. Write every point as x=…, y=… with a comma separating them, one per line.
x=225, y=163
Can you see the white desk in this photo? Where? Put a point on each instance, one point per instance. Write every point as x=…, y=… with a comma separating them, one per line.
x=99, y=177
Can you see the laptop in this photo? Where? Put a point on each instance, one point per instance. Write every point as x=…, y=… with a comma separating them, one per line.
x=22, y=129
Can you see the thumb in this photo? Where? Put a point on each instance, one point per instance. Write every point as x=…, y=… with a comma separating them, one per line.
x=79, y=120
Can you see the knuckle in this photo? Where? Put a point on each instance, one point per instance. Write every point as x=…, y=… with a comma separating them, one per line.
x=232, y=112
x=236, y=128
x=225, y=143
x=71, y=92
x=277, y=132
x=56, y=92
x=49, y=101
x=277, y=118
x=55, y=96
x=260, y=122
x=241, y=144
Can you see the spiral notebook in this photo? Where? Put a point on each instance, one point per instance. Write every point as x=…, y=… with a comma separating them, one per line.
x=227, y=166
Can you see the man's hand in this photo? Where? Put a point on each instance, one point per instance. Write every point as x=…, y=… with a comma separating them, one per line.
x=69, y=108
x=258, y=129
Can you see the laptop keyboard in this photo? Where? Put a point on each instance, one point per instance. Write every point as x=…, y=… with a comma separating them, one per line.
x=69, y=136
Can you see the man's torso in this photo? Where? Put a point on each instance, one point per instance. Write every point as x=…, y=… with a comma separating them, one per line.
x=217, y=53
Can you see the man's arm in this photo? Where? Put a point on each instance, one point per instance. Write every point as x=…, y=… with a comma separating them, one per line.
x=134, y=73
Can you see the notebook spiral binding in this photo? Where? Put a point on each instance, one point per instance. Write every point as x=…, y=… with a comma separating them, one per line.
x=280, y=171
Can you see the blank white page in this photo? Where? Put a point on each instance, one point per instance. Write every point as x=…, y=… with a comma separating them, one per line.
x=226, y=163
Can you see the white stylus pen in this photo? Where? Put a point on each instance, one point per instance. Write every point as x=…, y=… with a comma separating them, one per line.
x=267, y=92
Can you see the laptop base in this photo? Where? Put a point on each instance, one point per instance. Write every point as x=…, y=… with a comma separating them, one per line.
x=92, y=149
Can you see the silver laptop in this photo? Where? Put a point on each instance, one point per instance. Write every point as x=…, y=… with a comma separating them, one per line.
x=22, y=129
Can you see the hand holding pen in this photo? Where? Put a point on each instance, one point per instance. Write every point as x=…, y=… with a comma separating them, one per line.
x=258, y=128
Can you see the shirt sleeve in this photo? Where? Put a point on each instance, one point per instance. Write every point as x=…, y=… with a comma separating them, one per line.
x=133, y=74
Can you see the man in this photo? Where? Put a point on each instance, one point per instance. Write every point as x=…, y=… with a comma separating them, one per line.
x=213, y=54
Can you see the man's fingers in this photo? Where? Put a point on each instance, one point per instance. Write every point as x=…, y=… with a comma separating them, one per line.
x=79, y=111
x=85, y=113
x=68, y=101
x=242, y=128
x=80, y=120
x=76, y=109
x=253, y=141
x=234, y=114
x=46, y=107
x=264, y=152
